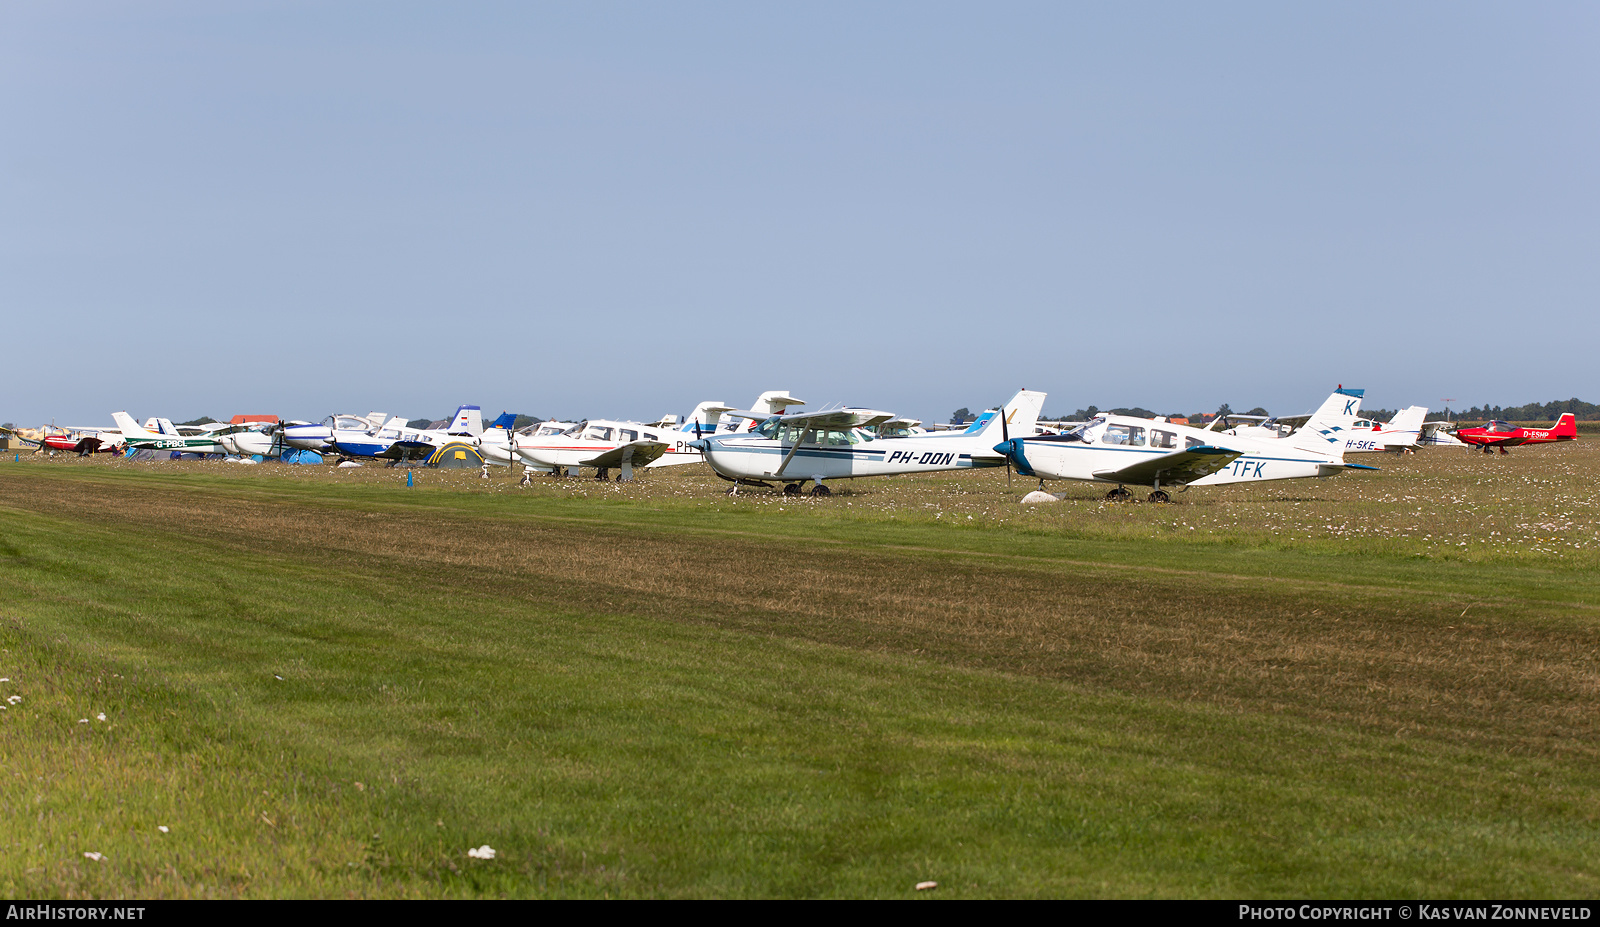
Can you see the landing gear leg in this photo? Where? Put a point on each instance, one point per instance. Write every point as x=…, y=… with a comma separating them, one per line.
x=1503, y=449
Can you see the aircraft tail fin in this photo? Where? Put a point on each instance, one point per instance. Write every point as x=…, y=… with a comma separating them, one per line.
x=775, y=402
x=1408, y=422
x=506, y=421
x=1566, y=427
x=1324, y=432
x=131, y=428
x=1021, y=417
x=705, y=418
x=468, y=420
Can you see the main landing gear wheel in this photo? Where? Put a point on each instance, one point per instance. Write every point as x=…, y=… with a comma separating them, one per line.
x=821, y=490
x=1159, y=495
x=603, y=473
x=791, y=489
x=1120, y=494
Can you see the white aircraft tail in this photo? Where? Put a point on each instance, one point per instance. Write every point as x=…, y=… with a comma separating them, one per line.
x=1324, y=432
x=1021, y=418
x=1408, y=421
x=775, y=402
x=131, y=428
x=705, y=418
x=468, y=420
x=376, y=419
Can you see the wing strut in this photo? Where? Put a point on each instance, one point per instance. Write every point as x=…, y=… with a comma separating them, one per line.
x=790, y=456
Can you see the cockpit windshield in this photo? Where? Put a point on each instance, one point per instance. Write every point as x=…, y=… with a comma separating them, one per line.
x=1499, y=427
x=768, y=428
x=347, y=423
x=1081, y=433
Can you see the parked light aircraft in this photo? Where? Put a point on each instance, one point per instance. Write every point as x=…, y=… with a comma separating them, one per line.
x=252, y=439
x=835, y=444
x=1341, y=412
x=605, y=444
x=320, y=437
x=81, y=441
x=1124, y=450
x=1440, y=434
x=396, y=442
x=139, y=437
x=1498, y=434
x=601, y=444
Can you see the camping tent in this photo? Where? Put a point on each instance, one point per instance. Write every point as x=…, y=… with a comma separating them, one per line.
x=456, y=456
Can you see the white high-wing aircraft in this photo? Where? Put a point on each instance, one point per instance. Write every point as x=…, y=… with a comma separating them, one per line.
x=251, y=438
x=834, y=444
x=1122, y=449
x=140, y=437
x=1440, y=434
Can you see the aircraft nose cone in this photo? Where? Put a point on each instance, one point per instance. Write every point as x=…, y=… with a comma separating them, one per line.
x=700, y=445
x=1007, y=448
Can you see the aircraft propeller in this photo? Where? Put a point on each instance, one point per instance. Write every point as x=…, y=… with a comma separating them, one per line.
x=1005, y=439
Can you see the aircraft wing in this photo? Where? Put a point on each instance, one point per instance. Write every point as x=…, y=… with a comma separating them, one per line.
x=839, y=418
x=1177, y=467
x=833, y=419
x=9, y=432
x=639, y=453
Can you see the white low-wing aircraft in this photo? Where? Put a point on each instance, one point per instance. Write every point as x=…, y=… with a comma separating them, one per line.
x=499, y=446
x=834, y=444
x=396, y=441
x=600, y=444
x=321, y=437
x=1124, y=450
x=1341, y=413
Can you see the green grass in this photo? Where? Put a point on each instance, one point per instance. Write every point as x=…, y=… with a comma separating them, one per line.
x=659, y=691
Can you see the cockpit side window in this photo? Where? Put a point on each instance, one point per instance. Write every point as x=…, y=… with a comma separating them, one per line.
x=1126, y=435
x=1163, y=439
x=598, y=433
x=1189, y=443
x=627, y=435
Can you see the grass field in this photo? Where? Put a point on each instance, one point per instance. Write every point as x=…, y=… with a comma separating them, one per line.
x=325, y=684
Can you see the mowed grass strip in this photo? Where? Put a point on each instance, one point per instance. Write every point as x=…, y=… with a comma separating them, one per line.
x=695, y=715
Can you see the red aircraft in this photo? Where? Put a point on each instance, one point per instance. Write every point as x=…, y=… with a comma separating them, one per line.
x=1498, y=434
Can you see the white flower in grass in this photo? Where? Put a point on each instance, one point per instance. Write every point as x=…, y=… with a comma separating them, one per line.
x=83, y=720
x=97, y=857
x=12, y=700
x=101, y=716
x=163, y=828
x=483, y=852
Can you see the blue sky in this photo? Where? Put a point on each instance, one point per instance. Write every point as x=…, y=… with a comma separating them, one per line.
x=618, y=210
